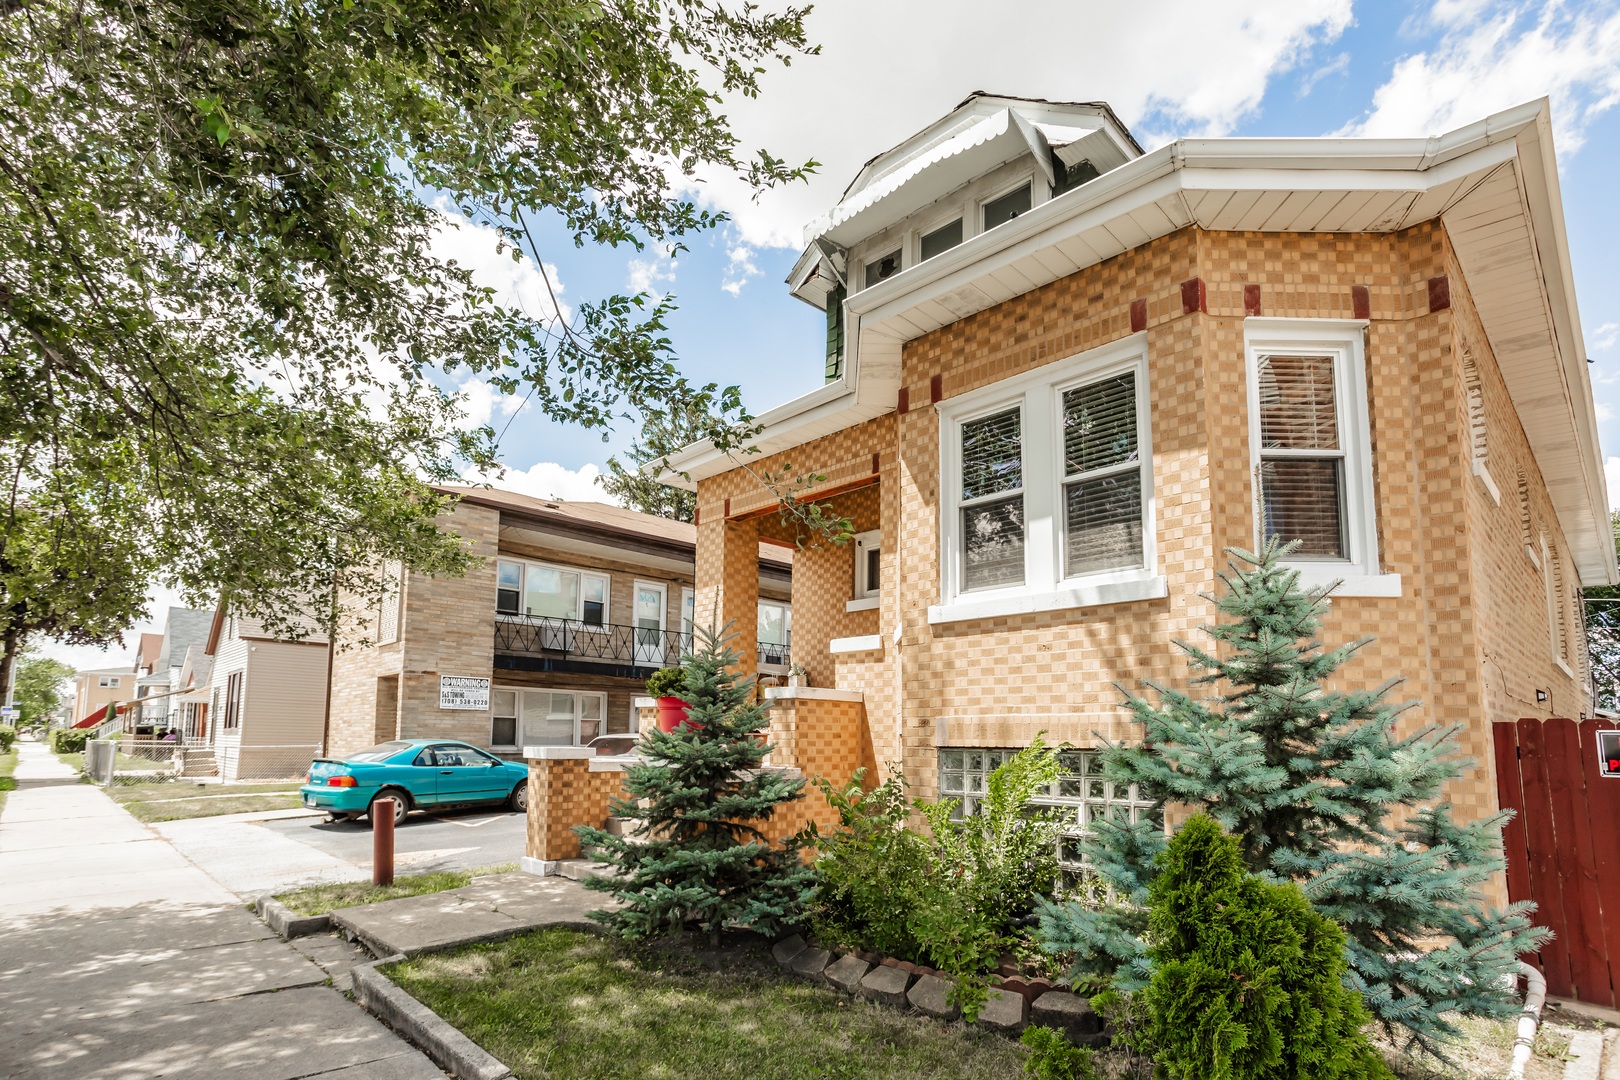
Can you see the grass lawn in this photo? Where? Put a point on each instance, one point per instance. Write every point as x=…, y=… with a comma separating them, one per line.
x=319, y=899
x=175, y=802
x=8, y=765
x=561, y=1003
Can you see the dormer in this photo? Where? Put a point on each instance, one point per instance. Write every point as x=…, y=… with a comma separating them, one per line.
x=986, y=162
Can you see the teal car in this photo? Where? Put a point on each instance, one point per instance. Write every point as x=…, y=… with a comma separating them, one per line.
x=418, y=774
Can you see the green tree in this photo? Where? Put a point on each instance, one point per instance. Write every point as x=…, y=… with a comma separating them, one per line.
x=73, y=567
x=39, y=689
x=218, y=261
x=700, y=858
x=664, y=432
x=1317, y=788
x=1247, y=976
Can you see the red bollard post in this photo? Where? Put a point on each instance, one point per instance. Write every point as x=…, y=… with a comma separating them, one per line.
x=382, y=842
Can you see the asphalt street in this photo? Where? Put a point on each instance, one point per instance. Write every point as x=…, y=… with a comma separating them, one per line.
x=448, y=840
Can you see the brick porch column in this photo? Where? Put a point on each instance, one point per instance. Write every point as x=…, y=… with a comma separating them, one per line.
x=728, y=584
x=563, y=792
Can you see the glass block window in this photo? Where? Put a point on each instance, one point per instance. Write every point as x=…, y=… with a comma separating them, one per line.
x=1081, y=794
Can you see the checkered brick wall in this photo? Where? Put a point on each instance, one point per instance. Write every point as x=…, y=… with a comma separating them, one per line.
x=1468, y=635
x=564, y=793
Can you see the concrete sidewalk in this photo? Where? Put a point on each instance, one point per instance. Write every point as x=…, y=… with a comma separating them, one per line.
x=120, y=960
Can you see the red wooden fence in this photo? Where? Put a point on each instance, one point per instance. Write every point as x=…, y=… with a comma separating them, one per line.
x=1563, y=849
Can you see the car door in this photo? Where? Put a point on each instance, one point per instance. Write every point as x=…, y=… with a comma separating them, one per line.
x=465, y=775
x=421, y=777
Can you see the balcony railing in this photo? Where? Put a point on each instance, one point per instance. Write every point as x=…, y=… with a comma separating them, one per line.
x=610, y=643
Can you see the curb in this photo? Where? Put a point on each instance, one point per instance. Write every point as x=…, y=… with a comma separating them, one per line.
x=449, y=1048
x=288, y=925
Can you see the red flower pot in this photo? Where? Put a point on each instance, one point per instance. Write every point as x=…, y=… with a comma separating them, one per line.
x=671, y=713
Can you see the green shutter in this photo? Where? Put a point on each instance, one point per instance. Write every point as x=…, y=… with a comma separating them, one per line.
x=835, y=333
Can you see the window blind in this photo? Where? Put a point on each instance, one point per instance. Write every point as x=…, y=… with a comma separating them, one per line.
x=1099, y=424
x=992, y=460
x=1104, y=523
x=1297, y=407
x=1301, y=501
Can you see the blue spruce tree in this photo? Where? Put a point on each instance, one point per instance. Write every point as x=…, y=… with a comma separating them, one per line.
x=1320, y=790
x=700, y=859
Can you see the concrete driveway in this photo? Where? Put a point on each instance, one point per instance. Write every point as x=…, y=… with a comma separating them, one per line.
x=255, y=854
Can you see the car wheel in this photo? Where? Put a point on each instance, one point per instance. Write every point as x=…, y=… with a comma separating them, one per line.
x=402, y=803
x=520, y=798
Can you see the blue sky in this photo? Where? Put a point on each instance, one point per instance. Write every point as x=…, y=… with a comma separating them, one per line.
x=1169, y=67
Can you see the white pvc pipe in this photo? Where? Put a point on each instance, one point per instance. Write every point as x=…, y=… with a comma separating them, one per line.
x=1535, y=995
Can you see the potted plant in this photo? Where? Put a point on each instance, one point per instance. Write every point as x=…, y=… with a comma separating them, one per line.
x=665, y=685
x=798, y=675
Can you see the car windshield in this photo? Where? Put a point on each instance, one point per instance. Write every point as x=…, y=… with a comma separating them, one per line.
x=380, y=752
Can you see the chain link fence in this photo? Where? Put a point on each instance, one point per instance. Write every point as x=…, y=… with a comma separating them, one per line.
x=138, y=760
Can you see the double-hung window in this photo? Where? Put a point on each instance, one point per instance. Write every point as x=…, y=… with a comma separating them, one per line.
x=1048, y=489
x=526, y=588
x=1311, y=450
x=545, y=717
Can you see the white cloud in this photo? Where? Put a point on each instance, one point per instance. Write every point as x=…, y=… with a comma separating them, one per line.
x=1611, y=473
x=1493, y=55
x=515, y=283
x=548, y=480
x=1605, y=337
x=1171, y=66
x=646, y=275
x=739, y=269
x=1339, y=65
x=1603, y=412
x=482, y=405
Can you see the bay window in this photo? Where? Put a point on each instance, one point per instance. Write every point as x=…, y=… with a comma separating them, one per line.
x=1047, y=494
x=1311, y=450
x=527, y=588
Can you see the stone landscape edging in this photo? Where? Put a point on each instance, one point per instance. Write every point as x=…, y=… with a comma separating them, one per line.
x=287, y=923
x=437, y=1037
x=903, y=985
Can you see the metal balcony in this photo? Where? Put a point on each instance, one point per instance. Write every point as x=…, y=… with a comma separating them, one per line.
x=539, y=643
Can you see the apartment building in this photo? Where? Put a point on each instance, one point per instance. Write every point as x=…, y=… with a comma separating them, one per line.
x=549, y=641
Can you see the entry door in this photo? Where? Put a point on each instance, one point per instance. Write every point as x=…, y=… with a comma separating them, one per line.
x=649, y=616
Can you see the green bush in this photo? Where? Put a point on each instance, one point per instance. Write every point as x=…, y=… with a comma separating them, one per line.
x=1247, y=982
x=666, y=682
x=69, y=740
x=8, y=735
x=1053, y=1057
x=950, y=898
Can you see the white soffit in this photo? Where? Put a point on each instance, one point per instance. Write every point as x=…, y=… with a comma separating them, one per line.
x=1494, y=183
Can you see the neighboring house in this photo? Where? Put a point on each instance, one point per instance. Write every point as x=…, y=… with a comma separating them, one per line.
x=156, y=673
x=550, y=640
x=266, y=699
x=94, y=690
x=1063, y=376
x=149, y=682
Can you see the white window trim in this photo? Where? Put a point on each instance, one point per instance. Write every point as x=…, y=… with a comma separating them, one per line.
x=935, y=223
x=1038, y=194
x=787, y=628
x=1039, y=396
x=518, y=707
x=1345, y=341
x=109, y=682
x=862, y=543
x=579, y=607
x=1478, y=425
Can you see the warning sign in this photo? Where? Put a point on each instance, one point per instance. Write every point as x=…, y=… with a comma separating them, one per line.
x=1608, y=745
x=463, y=692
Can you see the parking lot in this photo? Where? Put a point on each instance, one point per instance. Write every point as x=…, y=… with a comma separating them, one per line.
x=443, y=840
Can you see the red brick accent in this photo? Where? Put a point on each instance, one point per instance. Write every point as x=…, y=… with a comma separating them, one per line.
x=935, y=391
x=903, y=405
x=1251, y=299
x=875, y=465
x=1192, y=296
x=727, y=510
x=697, y=515
x=1361, y=301
x=1439, y=293
x=1138, y=316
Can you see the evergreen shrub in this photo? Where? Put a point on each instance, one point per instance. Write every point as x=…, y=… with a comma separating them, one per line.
x=1053, y=1057
x=666, y=682
x=8, y=735
x=700, y=859
x=1318, y=788
x=1247, y=979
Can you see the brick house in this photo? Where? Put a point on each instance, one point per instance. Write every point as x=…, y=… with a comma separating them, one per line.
x=550, y=640
x=1064, y=375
